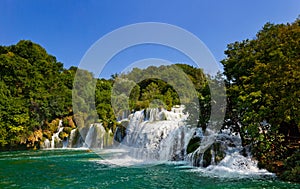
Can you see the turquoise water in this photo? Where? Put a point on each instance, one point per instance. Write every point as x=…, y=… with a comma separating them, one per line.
x=85, y=169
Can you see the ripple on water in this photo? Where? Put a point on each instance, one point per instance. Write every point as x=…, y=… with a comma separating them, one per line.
x=83, y=169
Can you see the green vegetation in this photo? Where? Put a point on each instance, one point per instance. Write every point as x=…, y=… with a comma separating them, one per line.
x=263, y=82
x=34, y=90
x=36, y=93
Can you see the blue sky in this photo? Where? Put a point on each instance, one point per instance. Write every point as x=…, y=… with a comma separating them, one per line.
x=67, y=29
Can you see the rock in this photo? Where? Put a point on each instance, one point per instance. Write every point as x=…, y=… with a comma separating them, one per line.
x=121, y=131
x=212, y=155
x=194, y=143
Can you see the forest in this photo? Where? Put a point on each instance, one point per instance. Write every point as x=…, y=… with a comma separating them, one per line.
x=262, y=77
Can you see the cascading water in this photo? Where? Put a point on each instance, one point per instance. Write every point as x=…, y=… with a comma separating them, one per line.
x=157, y=134
x=55, y=140
x=96, y=137
x=224, y=157
x=47, y=143
x=72, y=139
x=160, y=135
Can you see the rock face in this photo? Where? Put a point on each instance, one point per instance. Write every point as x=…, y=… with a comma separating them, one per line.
x=120, y=132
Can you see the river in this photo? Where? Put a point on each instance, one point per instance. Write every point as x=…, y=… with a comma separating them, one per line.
x=82, y=168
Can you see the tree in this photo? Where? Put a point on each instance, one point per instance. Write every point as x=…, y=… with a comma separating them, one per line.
x=32, y=92
x=263, y=89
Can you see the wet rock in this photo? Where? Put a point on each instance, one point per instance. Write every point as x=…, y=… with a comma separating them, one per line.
x=121, y=131
x=193, y=144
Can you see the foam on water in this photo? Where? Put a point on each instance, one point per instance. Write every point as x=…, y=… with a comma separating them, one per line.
x=121, y=157
x=124, y=161
x=234, y=166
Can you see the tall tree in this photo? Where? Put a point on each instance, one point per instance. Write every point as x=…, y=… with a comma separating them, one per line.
x=263, y=80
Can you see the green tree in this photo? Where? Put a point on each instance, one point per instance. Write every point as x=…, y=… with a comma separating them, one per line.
x=33, y=93
x=264, y=88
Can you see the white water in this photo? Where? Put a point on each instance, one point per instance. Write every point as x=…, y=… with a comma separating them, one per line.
x=72, y=138
x=97, y=137
x=155, y=134
x=55, y=137
x=234, y=164
x=47, y=143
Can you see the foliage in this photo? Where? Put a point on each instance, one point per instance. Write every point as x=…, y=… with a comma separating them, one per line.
x=292, y=167
x=166, y=86
x=263, y=89
x=32, y=91
x=37, y=92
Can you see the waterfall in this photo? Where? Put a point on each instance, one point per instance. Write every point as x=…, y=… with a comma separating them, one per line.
x=55, y=140
x=174, y=146
x=97, y=137
x=157, y=134
x=47, y=143
x=160, y=135
x=72, y=139
x=224, y=158
x=211, y=148
x=89, y=137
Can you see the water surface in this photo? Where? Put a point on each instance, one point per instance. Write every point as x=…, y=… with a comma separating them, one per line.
x=84, y=169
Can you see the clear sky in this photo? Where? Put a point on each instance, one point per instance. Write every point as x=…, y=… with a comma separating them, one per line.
x=68, y=28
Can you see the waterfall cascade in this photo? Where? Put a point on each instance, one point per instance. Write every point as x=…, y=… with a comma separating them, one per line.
x=72, y=139
x=95, y=137
x=55, y=140
x=226, y=157
x=159, y=135
x=156, y=134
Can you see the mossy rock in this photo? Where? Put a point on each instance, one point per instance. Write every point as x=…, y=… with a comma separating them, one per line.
x=68, y=122
x=207, y=157
x=53, y=125
x=120, y=133
x=219, y=150
x=217, y=147
x=194, y=143
x=62, y=135
x=123, y=124
x=67, y=130
x=141, y=105
x=47, y=134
